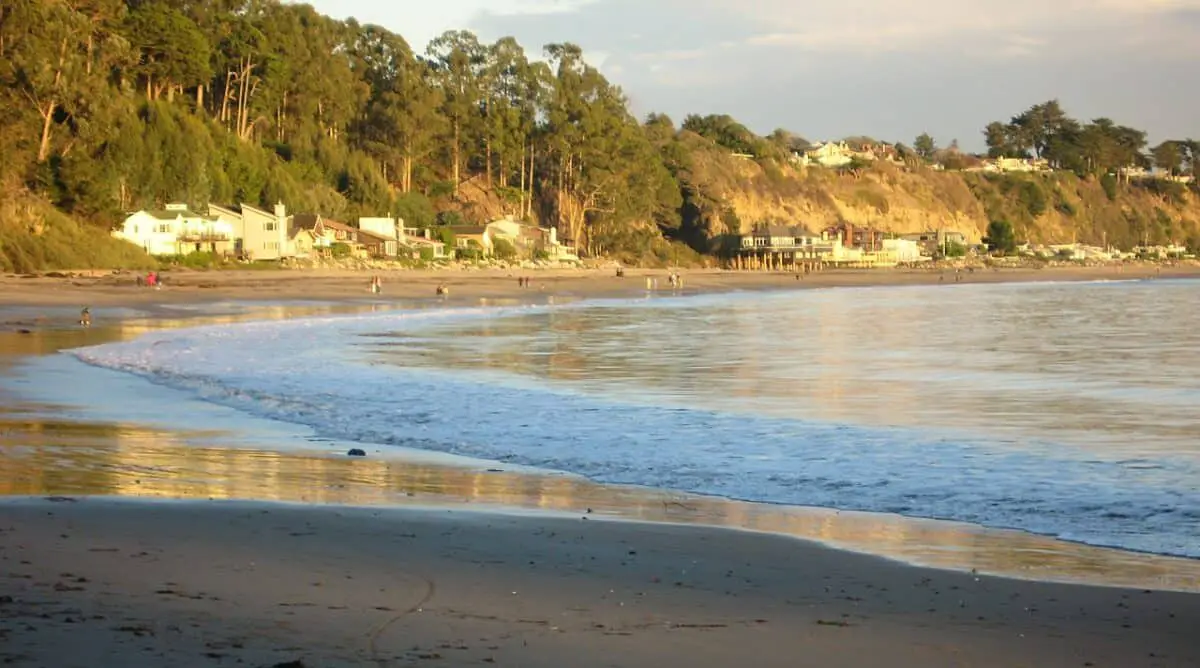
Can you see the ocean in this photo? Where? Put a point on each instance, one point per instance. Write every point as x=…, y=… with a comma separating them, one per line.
x=1062, y=409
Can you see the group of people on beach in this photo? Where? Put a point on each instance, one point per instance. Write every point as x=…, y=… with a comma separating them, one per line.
x=151, y=280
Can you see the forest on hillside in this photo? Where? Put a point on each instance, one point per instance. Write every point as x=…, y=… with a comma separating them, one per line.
x=108, y=106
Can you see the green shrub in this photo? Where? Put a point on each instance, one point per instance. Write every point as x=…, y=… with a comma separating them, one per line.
x=339, y=250
x=504, y=249
x=1109, y=183
x=1032, y=198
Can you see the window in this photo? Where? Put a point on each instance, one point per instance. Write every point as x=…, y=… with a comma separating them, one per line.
x=164, y=228
x=269, y=227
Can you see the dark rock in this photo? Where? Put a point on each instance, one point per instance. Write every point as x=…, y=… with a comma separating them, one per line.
x=356, y=452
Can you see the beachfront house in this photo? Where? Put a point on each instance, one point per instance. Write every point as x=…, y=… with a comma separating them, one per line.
x=259, y=234
x=472, y=236
x=326, y=232
x=530, y=240
x=176, y=230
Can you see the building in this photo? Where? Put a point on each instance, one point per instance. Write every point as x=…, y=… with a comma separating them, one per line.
x=472, y=236
x=260, y=235
x=421, y=245
x=853, y=236
x=529, y=240
x=377, y=245
x=936, y=242
x=177, y=230
x=900, y=251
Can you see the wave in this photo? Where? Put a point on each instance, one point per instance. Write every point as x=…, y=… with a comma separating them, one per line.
x=319, y=373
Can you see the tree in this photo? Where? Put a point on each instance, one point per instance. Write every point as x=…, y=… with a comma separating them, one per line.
x=57, y=53
x=172, y=52
x=1000, y=237
x=924, y=146
x=1169, y=156
x=457, y=61
x=998, y=138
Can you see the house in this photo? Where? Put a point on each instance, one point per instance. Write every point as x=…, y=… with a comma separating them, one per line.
x=900, y=251
x=766, y=237
x=853, y=236
x=1009, y=165
x=377, y=245
x=472, y=236
x=301, y=242
x=176, y=230
x=830, y=154
x=530, y=239
x=422, y=246
x=936, y=242
x=260, y=235
x=326, y=232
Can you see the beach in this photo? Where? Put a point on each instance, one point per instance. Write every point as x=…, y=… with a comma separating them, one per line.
x=91, y=582
x=220, y=555
x=108, y=289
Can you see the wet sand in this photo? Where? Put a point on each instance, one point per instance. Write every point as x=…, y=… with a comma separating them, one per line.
x=95, y=581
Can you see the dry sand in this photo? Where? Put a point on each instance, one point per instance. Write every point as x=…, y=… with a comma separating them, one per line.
x=94, y=582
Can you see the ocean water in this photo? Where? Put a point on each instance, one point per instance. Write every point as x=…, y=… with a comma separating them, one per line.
x=1065, y=409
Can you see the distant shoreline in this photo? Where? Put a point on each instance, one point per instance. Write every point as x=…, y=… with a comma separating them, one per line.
x=120, y=289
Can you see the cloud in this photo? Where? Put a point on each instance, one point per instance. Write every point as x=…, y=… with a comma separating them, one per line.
x=882, y=67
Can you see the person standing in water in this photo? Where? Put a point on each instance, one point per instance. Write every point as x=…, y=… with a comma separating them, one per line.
x=85, y=317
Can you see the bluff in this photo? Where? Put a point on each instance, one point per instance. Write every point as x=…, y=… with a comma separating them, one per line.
x=731, y=194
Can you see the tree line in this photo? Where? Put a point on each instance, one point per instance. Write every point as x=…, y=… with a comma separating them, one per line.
x=112, y=105
x=1101, y=146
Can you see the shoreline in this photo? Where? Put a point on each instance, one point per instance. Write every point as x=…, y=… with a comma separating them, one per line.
x=260, y=584
x=111, y=290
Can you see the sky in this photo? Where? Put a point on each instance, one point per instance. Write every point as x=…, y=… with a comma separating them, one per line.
x=827, y=69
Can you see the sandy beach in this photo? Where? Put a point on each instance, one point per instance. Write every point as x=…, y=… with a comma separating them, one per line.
x=91, y=582
x=358, y=567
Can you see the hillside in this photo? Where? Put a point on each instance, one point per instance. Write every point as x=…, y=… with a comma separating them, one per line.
x=1043, y=208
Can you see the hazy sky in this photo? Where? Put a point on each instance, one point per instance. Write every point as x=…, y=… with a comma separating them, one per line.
x=824, y=69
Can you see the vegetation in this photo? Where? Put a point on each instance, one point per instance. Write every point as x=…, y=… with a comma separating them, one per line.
x=1044, y=131
x=1000, y=238
x=109, y=106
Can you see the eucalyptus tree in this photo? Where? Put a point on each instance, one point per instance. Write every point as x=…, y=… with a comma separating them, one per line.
x=401, y=123
x=458, y=63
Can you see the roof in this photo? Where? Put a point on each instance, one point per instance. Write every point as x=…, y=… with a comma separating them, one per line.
x=306, y=221
x=172, y=214
x=337, y=225
x=421, y=241
x=365, y=235
x=467, y=230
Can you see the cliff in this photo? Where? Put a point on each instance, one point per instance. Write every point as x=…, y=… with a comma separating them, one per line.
x=1057, y=207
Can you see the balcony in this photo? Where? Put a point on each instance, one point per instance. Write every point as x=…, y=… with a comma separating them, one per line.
x=192, y=236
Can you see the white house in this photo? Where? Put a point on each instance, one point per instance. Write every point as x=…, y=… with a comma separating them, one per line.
x=260, y=235
x=902, y=251
x=176, y=230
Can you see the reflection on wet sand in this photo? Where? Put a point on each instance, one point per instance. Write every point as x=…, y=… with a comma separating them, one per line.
x=40, y=456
